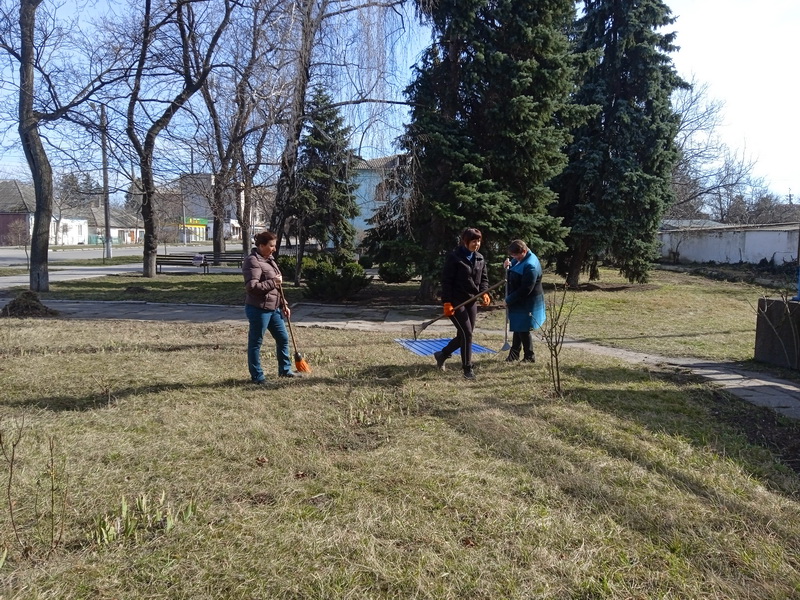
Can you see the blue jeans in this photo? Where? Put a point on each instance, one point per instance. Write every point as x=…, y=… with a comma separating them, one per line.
x=260, y=321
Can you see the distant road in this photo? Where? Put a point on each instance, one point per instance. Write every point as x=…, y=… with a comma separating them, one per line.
x=16, y=257
x=13, y=256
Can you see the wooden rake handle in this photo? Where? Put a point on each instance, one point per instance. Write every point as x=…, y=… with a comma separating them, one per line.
x=422, y=326
x=288, y=320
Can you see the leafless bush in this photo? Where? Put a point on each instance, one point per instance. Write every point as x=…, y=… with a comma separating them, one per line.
x=559, y=311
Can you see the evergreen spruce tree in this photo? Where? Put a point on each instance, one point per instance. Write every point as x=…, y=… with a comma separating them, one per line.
x=489, y=122
x=617, y=184
x=326, y=201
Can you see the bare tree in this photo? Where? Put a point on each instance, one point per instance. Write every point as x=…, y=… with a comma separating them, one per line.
x=19, y=234
x=343, y=25
x=242, y=102
x=58, y=73
x=176, y=49
x=707, y=172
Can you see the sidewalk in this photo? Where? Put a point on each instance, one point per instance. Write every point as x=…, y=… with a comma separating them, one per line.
x=760, y=389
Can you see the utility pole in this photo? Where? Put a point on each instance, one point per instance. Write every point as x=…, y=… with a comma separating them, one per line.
x=106, y=207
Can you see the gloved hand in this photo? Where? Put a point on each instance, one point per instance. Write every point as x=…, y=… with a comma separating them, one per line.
x=486, y=299
x=449, y=311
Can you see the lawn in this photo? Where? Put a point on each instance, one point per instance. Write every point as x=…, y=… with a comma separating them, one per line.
x=139, y=463
x=675, y=314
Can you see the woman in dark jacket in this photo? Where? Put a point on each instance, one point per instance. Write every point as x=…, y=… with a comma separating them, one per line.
x=265, y=307
x=524, y=299
x=464, y=276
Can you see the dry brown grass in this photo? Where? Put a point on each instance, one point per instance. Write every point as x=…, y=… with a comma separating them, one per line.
x=379, y=477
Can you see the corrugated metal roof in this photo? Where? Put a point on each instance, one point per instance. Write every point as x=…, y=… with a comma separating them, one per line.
x=428, y=347
x=16, y=197
x=720, y=227
x=378, y=164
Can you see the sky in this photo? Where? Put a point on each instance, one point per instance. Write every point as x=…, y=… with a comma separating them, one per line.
x=746, y=52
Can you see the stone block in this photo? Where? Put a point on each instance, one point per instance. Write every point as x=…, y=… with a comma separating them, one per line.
x=778, y=333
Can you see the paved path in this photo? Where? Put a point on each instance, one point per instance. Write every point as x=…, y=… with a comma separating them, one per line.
x=758, y=388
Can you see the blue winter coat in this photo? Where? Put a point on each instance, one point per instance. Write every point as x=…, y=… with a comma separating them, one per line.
x=525, y=296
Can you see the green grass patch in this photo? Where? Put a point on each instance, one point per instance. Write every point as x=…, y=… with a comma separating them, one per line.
x=215, y=288
x=376, y=476
x=675, y=314
x=227, y=289
x=96, y=262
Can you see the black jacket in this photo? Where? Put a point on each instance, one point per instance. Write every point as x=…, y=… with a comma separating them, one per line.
x=462, y=278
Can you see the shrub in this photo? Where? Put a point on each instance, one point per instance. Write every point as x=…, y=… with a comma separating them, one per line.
x=392, y=272
x=288, y=263
x=340, y=257
x=366, y=261
x=324, y=282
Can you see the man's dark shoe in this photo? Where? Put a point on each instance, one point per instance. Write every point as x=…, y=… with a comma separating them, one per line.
x=469, y=374
x=289, y=374
x=440, y=358
x=259, y=382
x=529, y=359
x=512, y=356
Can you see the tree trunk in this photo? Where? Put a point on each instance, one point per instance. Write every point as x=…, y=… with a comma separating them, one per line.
x=244, y=215
x=221, y=180
x=286, y=188
x=427, y=290
x=149, y=218
x=576, y=263
x=301, y=246
x=35, y=154
x=219, y=237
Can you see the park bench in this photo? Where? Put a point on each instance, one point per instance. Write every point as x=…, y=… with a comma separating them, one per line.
x=232, y=257
x=182, y=260
x=190, y=260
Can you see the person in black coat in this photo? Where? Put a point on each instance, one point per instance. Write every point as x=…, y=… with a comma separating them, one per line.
x=463, y=276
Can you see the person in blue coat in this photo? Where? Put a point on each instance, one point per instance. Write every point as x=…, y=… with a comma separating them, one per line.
x=524, y=299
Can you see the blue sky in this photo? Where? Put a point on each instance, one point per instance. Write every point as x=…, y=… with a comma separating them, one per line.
x=746, y=52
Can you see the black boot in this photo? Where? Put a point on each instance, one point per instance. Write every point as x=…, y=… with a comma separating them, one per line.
x=529, y=357
x=513, y=356
x=440, y=358
x=469, y=373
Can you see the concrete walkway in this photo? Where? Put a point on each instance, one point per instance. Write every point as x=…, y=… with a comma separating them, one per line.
x=757, y=388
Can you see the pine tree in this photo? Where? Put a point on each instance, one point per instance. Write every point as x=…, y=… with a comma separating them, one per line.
x=617, y=184
x=490, y=105
x=326, y=201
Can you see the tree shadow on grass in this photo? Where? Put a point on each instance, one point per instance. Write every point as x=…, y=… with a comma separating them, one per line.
x=107, y=395
x=695, y=412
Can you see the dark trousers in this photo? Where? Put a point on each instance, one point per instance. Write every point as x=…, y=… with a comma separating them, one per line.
x=522, y=340
x=464, y=320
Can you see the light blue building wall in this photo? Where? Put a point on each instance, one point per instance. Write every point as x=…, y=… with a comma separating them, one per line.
x=368, y=176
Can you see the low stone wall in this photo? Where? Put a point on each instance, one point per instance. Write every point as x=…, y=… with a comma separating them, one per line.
x=778, y=332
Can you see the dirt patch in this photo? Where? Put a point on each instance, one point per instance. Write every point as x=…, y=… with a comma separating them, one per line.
x=27, y=304
x=383, y=294
x=136, y=289
x=782, y=277
x=763, y=427
x=595, y=286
